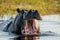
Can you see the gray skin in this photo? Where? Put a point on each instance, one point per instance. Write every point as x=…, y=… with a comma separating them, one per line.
x=17, y=25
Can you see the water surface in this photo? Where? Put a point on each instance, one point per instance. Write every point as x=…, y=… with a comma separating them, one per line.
x=50, y=30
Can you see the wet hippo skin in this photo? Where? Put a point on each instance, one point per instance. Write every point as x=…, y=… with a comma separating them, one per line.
x=19, y=23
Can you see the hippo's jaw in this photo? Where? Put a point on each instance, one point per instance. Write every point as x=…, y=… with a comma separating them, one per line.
x=31, y=27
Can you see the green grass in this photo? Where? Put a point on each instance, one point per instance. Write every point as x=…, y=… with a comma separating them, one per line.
x=44, y=7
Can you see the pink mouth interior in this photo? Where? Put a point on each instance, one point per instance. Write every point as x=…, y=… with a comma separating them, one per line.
x=30, y=27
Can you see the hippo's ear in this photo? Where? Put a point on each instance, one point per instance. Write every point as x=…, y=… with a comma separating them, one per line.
x=18, y=10
x=36, y=11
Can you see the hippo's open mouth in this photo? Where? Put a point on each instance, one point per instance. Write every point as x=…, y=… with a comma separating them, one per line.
x=31, y=27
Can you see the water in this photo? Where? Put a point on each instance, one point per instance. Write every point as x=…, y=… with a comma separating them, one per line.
x=50, y=30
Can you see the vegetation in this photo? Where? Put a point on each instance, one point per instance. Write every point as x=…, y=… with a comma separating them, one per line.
x=43, y=6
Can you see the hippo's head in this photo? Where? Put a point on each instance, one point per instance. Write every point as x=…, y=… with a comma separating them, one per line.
x=30, y=22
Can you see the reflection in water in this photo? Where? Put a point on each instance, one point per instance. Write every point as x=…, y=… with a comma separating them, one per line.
x=27, y=38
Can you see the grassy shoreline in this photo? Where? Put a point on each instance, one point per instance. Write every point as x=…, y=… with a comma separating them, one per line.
x=45, y=7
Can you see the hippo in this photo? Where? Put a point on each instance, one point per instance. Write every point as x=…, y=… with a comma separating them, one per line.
x=24, y=23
